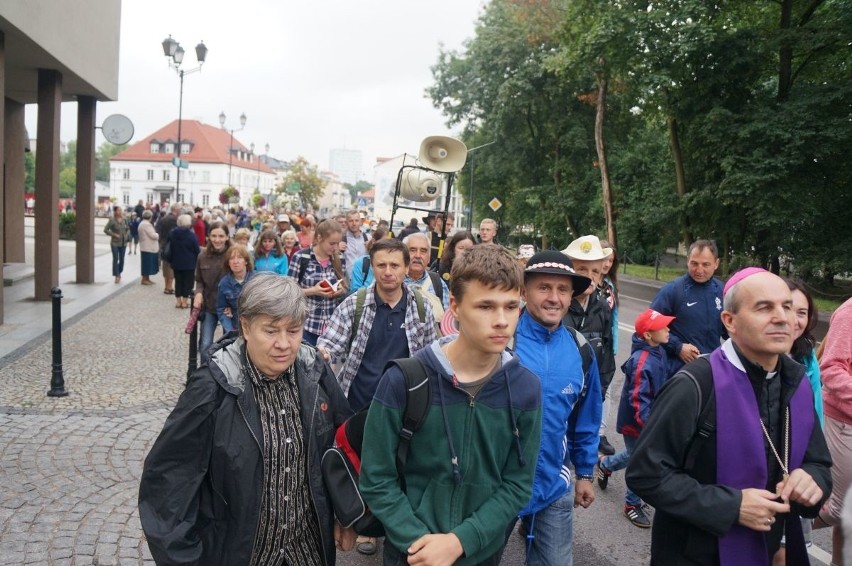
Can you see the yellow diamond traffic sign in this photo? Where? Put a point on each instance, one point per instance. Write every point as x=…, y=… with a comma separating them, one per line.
x=494, y=204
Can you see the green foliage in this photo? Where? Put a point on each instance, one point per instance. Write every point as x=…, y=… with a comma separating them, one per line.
x=359, y=187
x=105, y=152
x=306, y=178
x=757, y=107
x=68, y=182
x=29, y=172
x=68, y=225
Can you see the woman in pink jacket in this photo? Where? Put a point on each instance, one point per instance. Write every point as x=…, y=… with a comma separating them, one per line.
x=836, y=370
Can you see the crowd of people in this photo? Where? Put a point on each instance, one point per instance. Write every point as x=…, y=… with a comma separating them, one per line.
x=731, y=417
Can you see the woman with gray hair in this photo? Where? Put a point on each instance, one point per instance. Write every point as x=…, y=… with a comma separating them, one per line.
x=234, y=477
x=150, y=248
x=185, y=250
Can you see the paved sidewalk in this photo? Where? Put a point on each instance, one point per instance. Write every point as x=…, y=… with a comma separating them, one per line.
x=70, y=466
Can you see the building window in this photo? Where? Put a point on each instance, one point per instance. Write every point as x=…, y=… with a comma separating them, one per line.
x=125, y=198
x=205, y=176
x=180, y=197
x=184, y=148
x=155, y=147
x=167, y=175
x=205, y=199
x=149, y=198
x=150, y=174
x=170, y=148
x=125, y=174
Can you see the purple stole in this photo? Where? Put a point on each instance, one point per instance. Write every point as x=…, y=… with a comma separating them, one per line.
x=741, y=461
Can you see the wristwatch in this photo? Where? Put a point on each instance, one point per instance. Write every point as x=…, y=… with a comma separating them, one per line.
x=585, y=477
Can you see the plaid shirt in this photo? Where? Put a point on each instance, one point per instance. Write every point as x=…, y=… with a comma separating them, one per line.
x=335, y=341
x=319, y=308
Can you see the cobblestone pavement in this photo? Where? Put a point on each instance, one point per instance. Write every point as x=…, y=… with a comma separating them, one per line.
x=70, y=466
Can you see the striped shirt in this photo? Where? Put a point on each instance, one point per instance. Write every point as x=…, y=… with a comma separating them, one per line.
x=288, y=529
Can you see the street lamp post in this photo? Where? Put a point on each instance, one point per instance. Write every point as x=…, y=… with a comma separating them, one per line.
x=173, y=50
x=222, y=119
x=470, y=198
x=257, y=186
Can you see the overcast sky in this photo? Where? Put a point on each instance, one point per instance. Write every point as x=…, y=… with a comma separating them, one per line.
x=311, y=75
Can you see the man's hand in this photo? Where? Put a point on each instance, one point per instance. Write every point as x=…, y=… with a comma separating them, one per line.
x=584, y=493
x=198, y=301
x=688, y=352
x=800, y=488
x=435, y=550
x=324, y=354
x=758, y=509
x=344, y=538
x=341, y=247
x=227, y=312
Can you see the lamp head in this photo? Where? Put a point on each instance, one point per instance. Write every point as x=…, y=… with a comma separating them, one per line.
x=178, y=56
x=201, y=52
x=169, y=46
x=242, y=119
x=222, y=118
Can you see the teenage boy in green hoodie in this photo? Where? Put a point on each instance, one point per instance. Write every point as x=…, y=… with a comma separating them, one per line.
x=470, y=467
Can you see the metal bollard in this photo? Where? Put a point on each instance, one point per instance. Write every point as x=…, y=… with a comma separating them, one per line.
x=57, y=381
x=193, y=344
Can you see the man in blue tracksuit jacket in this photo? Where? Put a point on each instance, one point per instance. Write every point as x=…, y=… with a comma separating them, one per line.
x=695, y=300
x=570, y=416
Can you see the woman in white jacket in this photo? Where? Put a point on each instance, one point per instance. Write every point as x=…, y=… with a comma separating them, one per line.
x=150, y=248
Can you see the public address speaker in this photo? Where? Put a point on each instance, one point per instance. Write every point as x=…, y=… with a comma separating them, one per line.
x=442, y=154
x=420, y=185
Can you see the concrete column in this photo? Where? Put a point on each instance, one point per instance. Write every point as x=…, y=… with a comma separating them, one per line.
x=14, y=205
x=86, y=106
x=3, y=185
x=47, y=184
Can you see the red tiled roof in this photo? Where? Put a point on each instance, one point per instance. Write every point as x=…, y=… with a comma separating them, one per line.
x=368, y=194
x=209, y=144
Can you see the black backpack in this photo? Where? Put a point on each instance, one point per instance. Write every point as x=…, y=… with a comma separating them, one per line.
x=341, y=464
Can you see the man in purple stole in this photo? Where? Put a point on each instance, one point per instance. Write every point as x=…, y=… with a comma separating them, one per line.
x=725, y=468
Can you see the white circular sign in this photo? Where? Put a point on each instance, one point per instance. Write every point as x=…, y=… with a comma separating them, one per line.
x=118, y=129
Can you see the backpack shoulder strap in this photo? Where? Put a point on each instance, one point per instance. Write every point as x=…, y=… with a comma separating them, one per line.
x=304, y=260
x=418, y=399
x=419, y=301
x=360, y=297
x=365, y=267
x=437, y=285
x=706, y=416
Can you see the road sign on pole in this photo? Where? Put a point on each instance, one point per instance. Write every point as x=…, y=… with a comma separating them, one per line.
x=495, y=204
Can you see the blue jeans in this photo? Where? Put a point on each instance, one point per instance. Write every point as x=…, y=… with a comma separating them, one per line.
x=208, y=329
x=118, y=259
x=552, y=532
x=618, y=461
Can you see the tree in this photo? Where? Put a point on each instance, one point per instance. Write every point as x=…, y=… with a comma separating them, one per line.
x=359, y=187
x=304, y=179
x=29, y=172
x=105, y=152
x=68, y=182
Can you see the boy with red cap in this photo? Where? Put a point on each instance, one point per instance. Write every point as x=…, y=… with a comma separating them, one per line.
x=645, y=372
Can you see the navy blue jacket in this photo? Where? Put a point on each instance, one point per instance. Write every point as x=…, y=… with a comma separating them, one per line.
x=644, y=374
x=697, y=308
x=184, y=249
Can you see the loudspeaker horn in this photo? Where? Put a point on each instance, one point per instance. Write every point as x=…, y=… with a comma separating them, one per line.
x=442, y=153
x=420, y=185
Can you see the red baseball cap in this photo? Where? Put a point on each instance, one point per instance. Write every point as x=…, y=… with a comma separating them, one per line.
x=650, y=320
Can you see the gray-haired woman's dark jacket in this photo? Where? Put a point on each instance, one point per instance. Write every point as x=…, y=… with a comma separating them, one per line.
x=201, y=484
